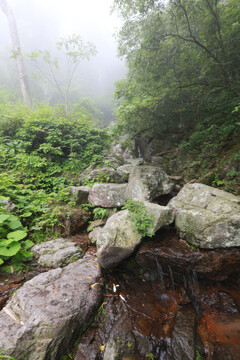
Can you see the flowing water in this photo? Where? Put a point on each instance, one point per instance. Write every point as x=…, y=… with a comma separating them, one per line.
x=165, y=312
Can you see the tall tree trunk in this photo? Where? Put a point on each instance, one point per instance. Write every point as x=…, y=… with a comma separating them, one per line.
x=17, y=52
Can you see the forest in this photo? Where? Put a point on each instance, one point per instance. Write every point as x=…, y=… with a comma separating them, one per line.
x=175, y=96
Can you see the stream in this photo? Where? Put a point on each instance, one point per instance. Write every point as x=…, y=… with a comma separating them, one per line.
x=159, y=309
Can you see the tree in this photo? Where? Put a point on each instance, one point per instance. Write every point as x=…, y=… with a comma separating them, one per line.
x=74, y=50
x=184, y=63
x=17, y=54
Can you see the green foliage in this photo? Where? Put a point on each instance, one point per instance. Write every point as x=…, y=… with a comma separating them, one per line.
x=141, y=219
x=41, y=154
x=184, y=65
x=150, y=356
x=100, y=213
x=198, y=356
x=11, y=234
x=6, y=357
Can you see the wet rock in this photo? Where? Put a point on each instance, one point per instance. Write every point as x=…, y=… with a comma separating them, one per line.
x=8, y=284
x=219, y=327
x=46, y=315
x=148, y=182
x=168, y=250
x=122, y=341
x=107, y=195
x=81, y=193
x=117, y=240
x=207, y=217
x=56, y=253
x=183, y=334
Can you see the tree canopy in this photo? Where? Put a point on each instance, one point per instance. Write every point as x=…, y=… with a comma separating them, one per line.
x=184, y=65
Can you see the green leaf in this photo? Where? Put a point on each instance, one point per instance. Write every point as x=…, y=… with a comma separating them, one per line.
x=17, y=235
x=3, y=218
x=27, y=244
x=1, y=261
x=11, y=250
x=14, y=223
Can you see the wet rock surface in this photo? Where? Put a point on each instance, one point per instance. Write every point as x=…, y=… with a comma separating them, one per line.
x=207, y=217
x=169, y=250
x=43, y=317
x=8, y=284
x=148, y=310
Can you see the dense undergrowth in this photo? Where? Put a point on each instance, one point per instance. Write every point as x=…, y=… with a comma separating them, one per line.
x=42, y=153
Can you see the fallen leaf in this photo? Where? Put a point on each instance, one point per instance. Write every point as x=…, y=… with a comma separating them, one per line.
x=94, y=285
x=102, y=348
x=88, y=277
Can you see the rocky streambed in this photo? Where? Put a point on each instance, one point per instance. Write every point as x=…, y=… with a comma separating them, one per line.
x=171, y=297
x=166, y=310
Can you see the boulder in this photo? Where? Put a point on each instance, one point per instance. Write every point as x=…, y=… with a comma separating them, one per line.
x=117, y=240
x=148, y=182
x=107, y=195
x=161, y=215
x=124, y=170
x=207, y=217
x=56, y=253
x=46, y=315
x=106, y=174
x=81, y=193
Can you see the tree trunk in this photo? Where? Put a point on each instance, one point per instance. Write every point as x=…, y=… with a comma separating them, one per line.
x=17, y=52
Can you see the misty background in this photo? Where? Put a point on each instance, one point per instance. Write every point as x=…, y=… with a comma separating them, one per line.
x=40, y=25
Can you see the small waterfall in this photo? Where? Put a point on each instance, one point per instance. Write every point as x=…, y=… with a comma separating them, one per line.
x=139, y=153
x=171, y=277
x=160, y=271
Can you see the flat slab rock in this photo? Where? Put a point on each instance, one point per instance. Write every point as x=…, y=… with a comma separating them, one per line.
x=45, y=316
x=108, y=195
x=56, y=253
x=207, y=217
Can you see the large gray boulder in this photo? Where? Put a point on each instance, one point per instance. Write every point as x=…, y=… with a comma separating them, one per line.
x=148, y=182
x=56, y=253
x=118, y=238
x=107, y=195
x=45, y=316
x=207, y=217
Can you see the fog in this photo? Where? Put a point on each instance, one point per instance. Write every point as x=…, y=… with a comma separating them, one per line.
x=41, y=23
